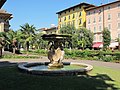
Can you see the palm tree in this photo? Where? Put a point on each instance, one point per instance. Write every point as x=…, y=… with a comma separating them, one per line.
x=12, y=38
x=3, y=41
x=29, y=34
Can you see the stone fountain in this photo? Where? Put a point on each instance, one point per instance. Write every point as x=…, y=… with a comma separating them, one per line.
x=55, y=49
x=56, y=66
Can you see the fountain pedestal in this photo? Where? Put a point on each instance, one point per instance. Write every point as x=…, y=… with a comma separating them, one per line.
x=55, y=47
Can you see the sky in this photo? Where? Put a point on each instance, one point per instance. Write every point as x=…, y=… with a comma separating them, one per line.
x=40, y=13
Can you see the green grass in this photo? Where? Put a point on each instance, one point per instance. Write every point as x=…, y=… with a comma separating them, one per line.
x=100, y=78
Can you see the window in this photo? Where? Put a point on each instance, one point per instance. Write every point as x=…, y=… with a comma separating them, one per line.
x=109, y=16
x=109, y=26
x=88, y=21
x=73, y=22
x=65, y=12
x=119, y=15
x=100, y=37
x=80, y=14
x=100, y=29
x=80, y=21
x=69, y=16
x=88, y=13
x=118, y=25
x=99, y=18
x=73, y=9
x=69, y=10
x=94, y=37
x=79, y=7
x=73, y=16
x=94, y=20
x=99, y=11
x=94, y=12
x=119, y=35
x=118, y=5
x=108, y=7
x=94, y=29
x=64, y=18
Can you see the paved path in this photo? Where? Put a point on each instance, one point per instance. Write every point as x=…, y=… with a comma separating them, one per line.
x=7, y=62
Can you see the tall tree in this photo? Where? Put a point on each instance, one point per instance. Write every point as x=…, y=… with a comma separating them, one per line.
x=12, y=38
x=29, y=34
x=67, y=29
x=85, y=38
x=106, y=38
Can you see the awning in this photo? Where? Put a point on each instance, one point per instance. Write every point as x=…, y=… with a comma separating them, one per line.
x=97, y=45
x=113, y=44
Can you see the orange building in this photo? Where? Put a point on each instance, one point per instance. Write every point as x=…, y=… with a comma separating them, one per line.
x=100, y=17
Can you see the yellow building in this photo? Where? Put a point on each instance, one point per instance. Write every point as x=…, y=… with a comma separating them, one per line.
x=75, y=15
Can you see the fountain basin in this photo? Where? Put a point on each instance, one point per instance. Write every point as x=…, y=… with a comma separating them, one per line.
x=43, y=70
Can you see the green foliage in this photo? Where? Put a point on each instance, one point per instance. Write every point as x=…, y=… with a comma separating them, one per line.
x=106, y=56
x=18, y=57
x=41, y=51
x=118, y=40
x=67, y=29
x=29, y=34
x=106, y=38
x=85, y=38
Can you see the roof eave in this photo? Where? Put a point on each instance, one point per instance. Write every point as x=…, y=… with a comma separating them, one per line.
x=2, y=3
x=73, y=7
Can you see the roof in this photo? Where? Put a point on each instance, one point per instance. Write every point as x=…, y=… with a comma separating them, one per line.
x=47, y=29
x=2, y=2
x=5, y=14
x=102, y=5
x=80, y=4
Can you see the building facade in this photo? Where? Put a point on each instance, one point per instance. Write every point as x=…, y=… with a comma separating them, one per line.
x=2, y=3
x=51, y=30
x=104, y=16
x=4, y=18
x=75, y=16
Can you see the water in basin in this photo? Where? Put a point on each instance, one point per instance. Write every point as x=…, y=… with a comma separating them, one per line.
x=66, y=67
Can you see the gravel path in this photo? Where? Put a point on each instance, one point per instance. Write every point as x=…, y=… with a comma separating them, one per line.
x=9, y=62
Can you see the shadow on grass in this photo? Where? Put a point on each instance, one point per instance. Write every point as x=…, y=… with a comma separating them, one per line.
x=12, y=79
x=6, y=63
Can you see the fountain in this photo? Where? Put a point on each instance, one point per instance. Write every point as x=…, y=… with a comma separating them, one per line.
x=56, y=66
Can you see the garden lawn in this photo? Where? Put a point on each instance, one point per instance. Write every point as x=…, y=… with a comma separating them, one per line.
x=100, y=78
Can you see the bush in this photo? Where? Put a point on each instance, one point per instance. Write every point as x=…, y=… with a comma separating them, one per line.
x=117, y=55
x=107, y=58
x=40, y=51
x=18, y=57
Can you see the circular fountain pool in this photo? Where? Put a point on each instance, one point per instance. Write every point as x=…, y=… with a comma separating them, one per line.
x=43, y=70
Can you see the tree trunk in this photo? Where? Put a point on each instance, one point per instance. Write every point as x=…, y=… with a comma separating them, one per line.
x=13, y=50
x=0, y=52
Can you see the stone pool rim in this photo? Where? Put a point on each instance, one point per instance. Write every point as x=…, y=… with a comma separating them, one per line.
x=24, y=67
